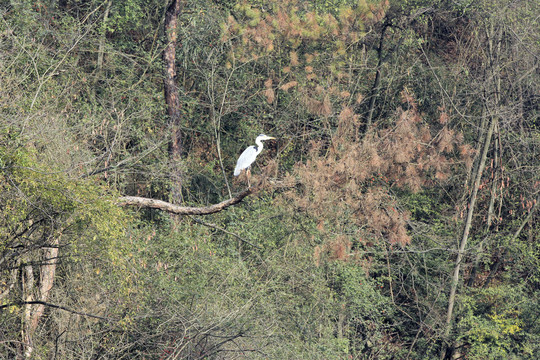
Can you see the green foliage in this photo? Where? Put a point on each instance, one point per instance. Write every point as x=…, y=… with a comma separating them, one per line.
x=364, y=308
x=495, y=321
x=223, y=286
x=350, y=258
x=35, y=193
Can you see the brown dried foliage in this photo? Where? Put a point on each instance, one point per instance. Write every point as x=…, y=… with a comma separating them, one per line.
x=350, y=180
x=287, y=86
x=269, y=91
x=339, y=248
x=294, y=28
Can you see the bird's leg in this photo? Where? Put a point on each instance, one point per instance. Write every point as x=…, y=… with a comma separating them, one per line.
x=248, y=175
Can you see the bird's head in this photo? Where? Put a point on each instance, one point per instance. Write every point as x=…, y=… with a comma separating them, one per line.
x=264, y=137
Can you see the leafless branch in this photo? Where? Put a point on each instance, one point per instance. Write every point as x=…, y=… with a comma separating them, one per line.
x=183, y=210
x=56, y=307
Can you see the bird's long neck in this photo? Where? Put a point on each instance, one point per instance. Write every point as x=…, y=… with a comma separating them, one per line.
x=259, y=145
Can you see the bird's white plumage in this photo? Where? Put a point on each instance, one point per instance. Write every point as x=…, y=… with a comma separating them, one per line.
x=250, y=154
x=246, y=159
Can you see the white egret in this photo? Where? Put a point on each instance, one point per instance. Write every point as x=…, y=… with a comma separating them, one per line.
x=249, y=155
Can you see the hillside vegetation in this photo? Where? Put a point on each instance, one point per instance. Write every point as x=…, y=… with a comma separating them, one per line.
x=395, y=215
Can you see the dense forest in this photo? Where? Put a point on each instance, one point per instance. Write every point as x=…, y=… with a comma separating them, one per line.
x=394, y=216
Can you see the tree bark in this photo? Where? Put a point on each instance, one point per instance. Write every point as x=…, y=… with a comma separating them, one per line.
x=28, y=283
x=34, y=309
x=46, y=281
x=172, y=97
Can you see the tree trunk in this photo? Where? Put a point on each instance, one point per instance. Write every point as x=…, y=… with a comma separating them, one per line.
x=465, y=235
x=376, y=84
x=28, y=282
x=172, y=97
x=46, y=281
x=33, y=312
x=491, y=209
x=101, y=48
x=493, y=83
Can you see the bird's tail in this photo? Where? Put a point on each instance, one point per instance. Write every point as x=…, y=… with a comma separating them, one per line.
x=237, y=172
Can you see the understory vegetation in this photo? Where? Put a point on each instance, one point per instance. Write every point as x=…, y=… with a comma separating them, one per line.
x=395, y=215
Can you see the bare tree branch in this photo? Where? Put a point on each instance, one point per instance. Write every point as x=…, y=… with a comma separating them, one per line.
x=19, y=303
x=183, y=210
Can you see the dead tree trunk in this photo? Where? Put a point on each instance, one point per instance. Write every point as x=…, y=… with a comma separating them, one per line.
x=35, y=295
x=27, y=287
x=46, y=281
